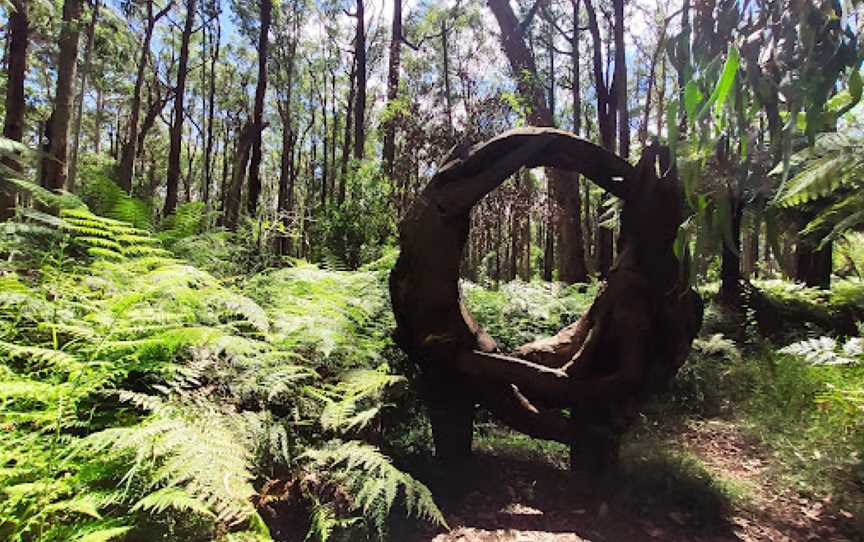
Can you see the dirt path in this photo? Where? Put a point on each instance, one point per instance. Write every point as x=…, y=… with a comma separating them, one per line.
x=708, y=483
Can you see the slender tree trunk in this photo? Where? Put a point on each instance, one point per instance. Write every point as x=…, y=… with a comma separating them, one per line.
x=176, y=133
x=285, y=197
x=684, y=75
x=661, y=96
x=211, y=112
x=346, y=140
x=619, y=83
x=97, y=120
x=130, y=147
x=13, y=124
x=570, y=224
x=606, y=121
x=223, y=184
x=524, y=70
x=55, y=164
x=258, y=115
x=813, y=265
x=79, y=106
x=238, y=174
x=154, y=108
x=652, y=72
x=360, y=76
x=730, y=258
x=325, y=143
x=334, y=136
x=389, y=151
x=445, y=51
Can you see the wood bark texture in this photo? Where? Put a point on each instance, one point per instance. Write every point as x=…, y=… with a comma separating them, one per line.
x=631, y=341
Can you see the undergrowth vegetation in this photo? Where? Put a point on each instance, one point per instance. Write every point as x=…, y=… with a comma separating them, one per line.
x=152, y=387
x=142, y=398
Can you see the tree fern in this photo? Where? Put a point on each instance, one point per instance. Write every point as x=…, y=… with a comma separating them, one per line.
x=829, y=176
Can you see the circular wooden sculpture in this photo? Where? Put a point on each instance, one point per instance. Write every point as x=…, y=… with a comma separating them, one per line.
x=631, y=341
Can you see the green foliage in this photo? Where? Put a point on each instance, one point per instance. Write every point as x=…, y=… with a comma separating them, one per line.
x=373, y=481
x=356, y=399
x=217, y=252
x=357, y=231
x=99, y=190
x=812, y=417
x=829, y=177
x=139, y=394
x=335, y=318
x=108, y=238
x=190, y=219
x=832, y=163
x=845, y=295
x=712, y=379
x=827, y=351
x=520, y=312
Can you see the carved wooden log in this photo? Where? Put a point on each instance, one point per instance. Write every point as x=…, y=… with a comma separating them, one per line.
x=631, y=341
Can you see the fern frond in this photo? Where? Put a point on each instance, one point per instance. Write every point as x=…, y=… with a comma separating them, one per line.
x=343, y=402
x=84, y=504
x=374, y=483
x=324, y=522
x=171, y=498
x=41, y=356
x=105, y=535
x=59, y=200
x=201, y=451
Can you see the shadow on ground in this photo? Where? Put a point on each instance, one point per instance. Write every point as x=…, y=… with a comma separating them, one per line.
x=516, y=491
x=502, y=497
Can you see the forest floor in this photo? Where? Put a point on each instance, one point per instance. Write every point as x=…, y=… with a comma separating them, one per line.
x=704, y=481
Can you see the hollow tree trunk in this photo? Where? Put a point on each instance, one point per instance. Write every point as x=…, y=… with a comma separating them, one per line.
x=631, y=341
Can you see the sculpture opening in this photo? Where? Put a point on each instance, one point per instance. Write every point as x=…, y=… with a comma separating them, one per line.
x=583, y=386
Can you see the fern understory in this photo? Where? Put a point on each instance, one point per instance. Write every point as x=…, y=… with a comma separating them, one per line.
x=153, y=388
x=142, y=398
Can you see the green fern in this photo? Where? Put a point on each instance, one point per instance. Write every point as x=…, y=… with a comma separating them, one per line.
x=171, y=498
x=830, y=177
x=356, y=399
x=373, y=482
x=229, y=386
x=198, y=449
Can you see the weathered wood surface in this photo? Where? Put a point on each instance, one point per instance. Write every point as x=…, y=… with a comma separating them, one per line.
x=631, y=341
